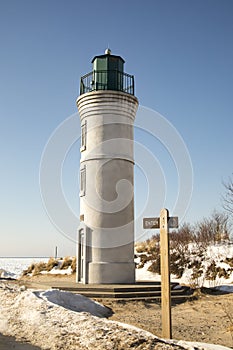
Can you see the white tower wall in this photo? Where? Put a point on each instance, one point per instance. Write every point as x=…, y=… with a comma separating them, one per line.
x=107, y=195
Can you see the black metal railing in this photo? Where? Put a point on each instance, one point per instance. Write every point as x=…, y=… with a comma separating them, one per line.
x=107, y=80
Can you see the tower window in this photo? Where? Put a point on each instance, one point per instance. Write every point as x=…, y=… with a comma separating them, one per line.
x=82, y=181
x=83, y=136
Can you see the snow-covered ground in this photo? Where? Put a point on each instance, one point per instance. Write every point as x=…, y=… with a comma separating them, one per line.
x=143, y=274
x=13, y=267
x=217, y=253
x=59, y=320
x=57, y=271
x=74, y=302
x=56, y=320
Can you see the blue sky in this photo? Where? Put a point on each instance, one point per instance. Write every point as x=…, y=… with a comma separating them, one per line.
x=181, y=55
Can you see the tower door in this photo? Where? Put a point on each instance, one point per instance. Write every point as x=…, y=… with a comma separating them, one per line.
x=81, y=256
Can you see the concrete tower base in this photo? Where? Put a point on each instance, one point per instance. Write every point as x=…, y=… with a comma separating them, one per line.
x=111, y=273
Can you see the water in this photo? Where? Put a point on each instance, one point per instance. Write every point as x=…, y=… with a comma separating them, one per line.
x=13, y=267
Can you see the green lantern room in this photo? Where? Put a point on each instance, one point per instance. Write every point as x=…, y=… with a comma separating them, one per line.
x=107, y=74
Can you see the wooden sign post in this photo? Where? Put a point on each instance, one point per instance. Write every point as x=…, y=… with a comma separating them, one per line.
x=165, y=275
x=164, y=222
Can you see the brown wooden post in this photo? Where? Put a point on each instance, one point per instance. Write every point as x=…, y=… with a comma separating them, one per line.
x=165, y=274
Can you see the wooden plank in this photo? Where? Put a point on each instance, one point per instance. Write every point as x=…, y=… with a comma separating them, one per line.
x=165, y=275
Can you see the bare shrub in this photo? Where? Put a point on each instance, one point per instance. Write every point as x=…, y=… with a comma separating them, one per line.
x=153, y=246
x=51, y=264
x=221, y=226
x=144, y=258
x=229, y=261
x=181, y=238
x=228, y=197
x=223, y=273
x=141, y=247
x=35, y=268
x=197, y=273
x=155, y=266
x=149, y=246
x=66, y=262
x=212, y=230
x=178, y=263
x=156, y=237
x=179, y=247
x=203, y=235
x=41, y=266
x=29, y=270
x=74, y=264
x=211, y=271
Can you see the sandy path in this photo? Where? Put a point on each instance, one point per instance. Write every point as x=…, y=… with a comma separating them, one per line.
x=203, y=320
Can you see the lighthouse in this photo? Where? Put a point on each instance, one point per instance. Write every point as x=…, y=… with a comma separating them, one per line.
x=107, y=107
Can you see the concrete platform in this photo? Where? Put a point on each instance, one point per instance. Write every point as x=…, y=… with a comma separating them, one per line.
x=139, y=291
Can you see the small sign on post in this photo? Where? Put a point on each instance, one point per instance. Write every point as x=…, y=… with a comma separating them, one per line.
x=164, y=222
x=173, y=222
x=150, y=223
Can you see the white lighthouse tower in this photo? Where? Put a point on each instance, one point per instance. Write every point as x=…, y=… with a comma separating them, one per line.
x=107, y=108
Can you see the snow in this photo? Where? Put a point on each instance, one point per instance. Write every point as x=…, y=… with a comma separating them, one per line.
x=74, y=302
x=57, y=271
x=143, y=274
x=202, y=346
x=6, y=274
x=13, y=267
x=56, y=320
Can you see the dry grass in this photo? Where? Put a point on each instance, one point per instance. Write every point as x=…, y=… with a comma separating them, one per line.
x=41, y=266
x=66, y=262
x=29, y=269
x=51, y=264
x=141, y=247
x=36, y=268
x=74, y=264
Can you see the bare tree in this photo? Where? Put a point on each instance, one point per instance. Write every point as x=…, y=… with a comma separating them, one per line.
x=211, y=230
x=228, y=197
x=180, y=239
x=220, y=226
